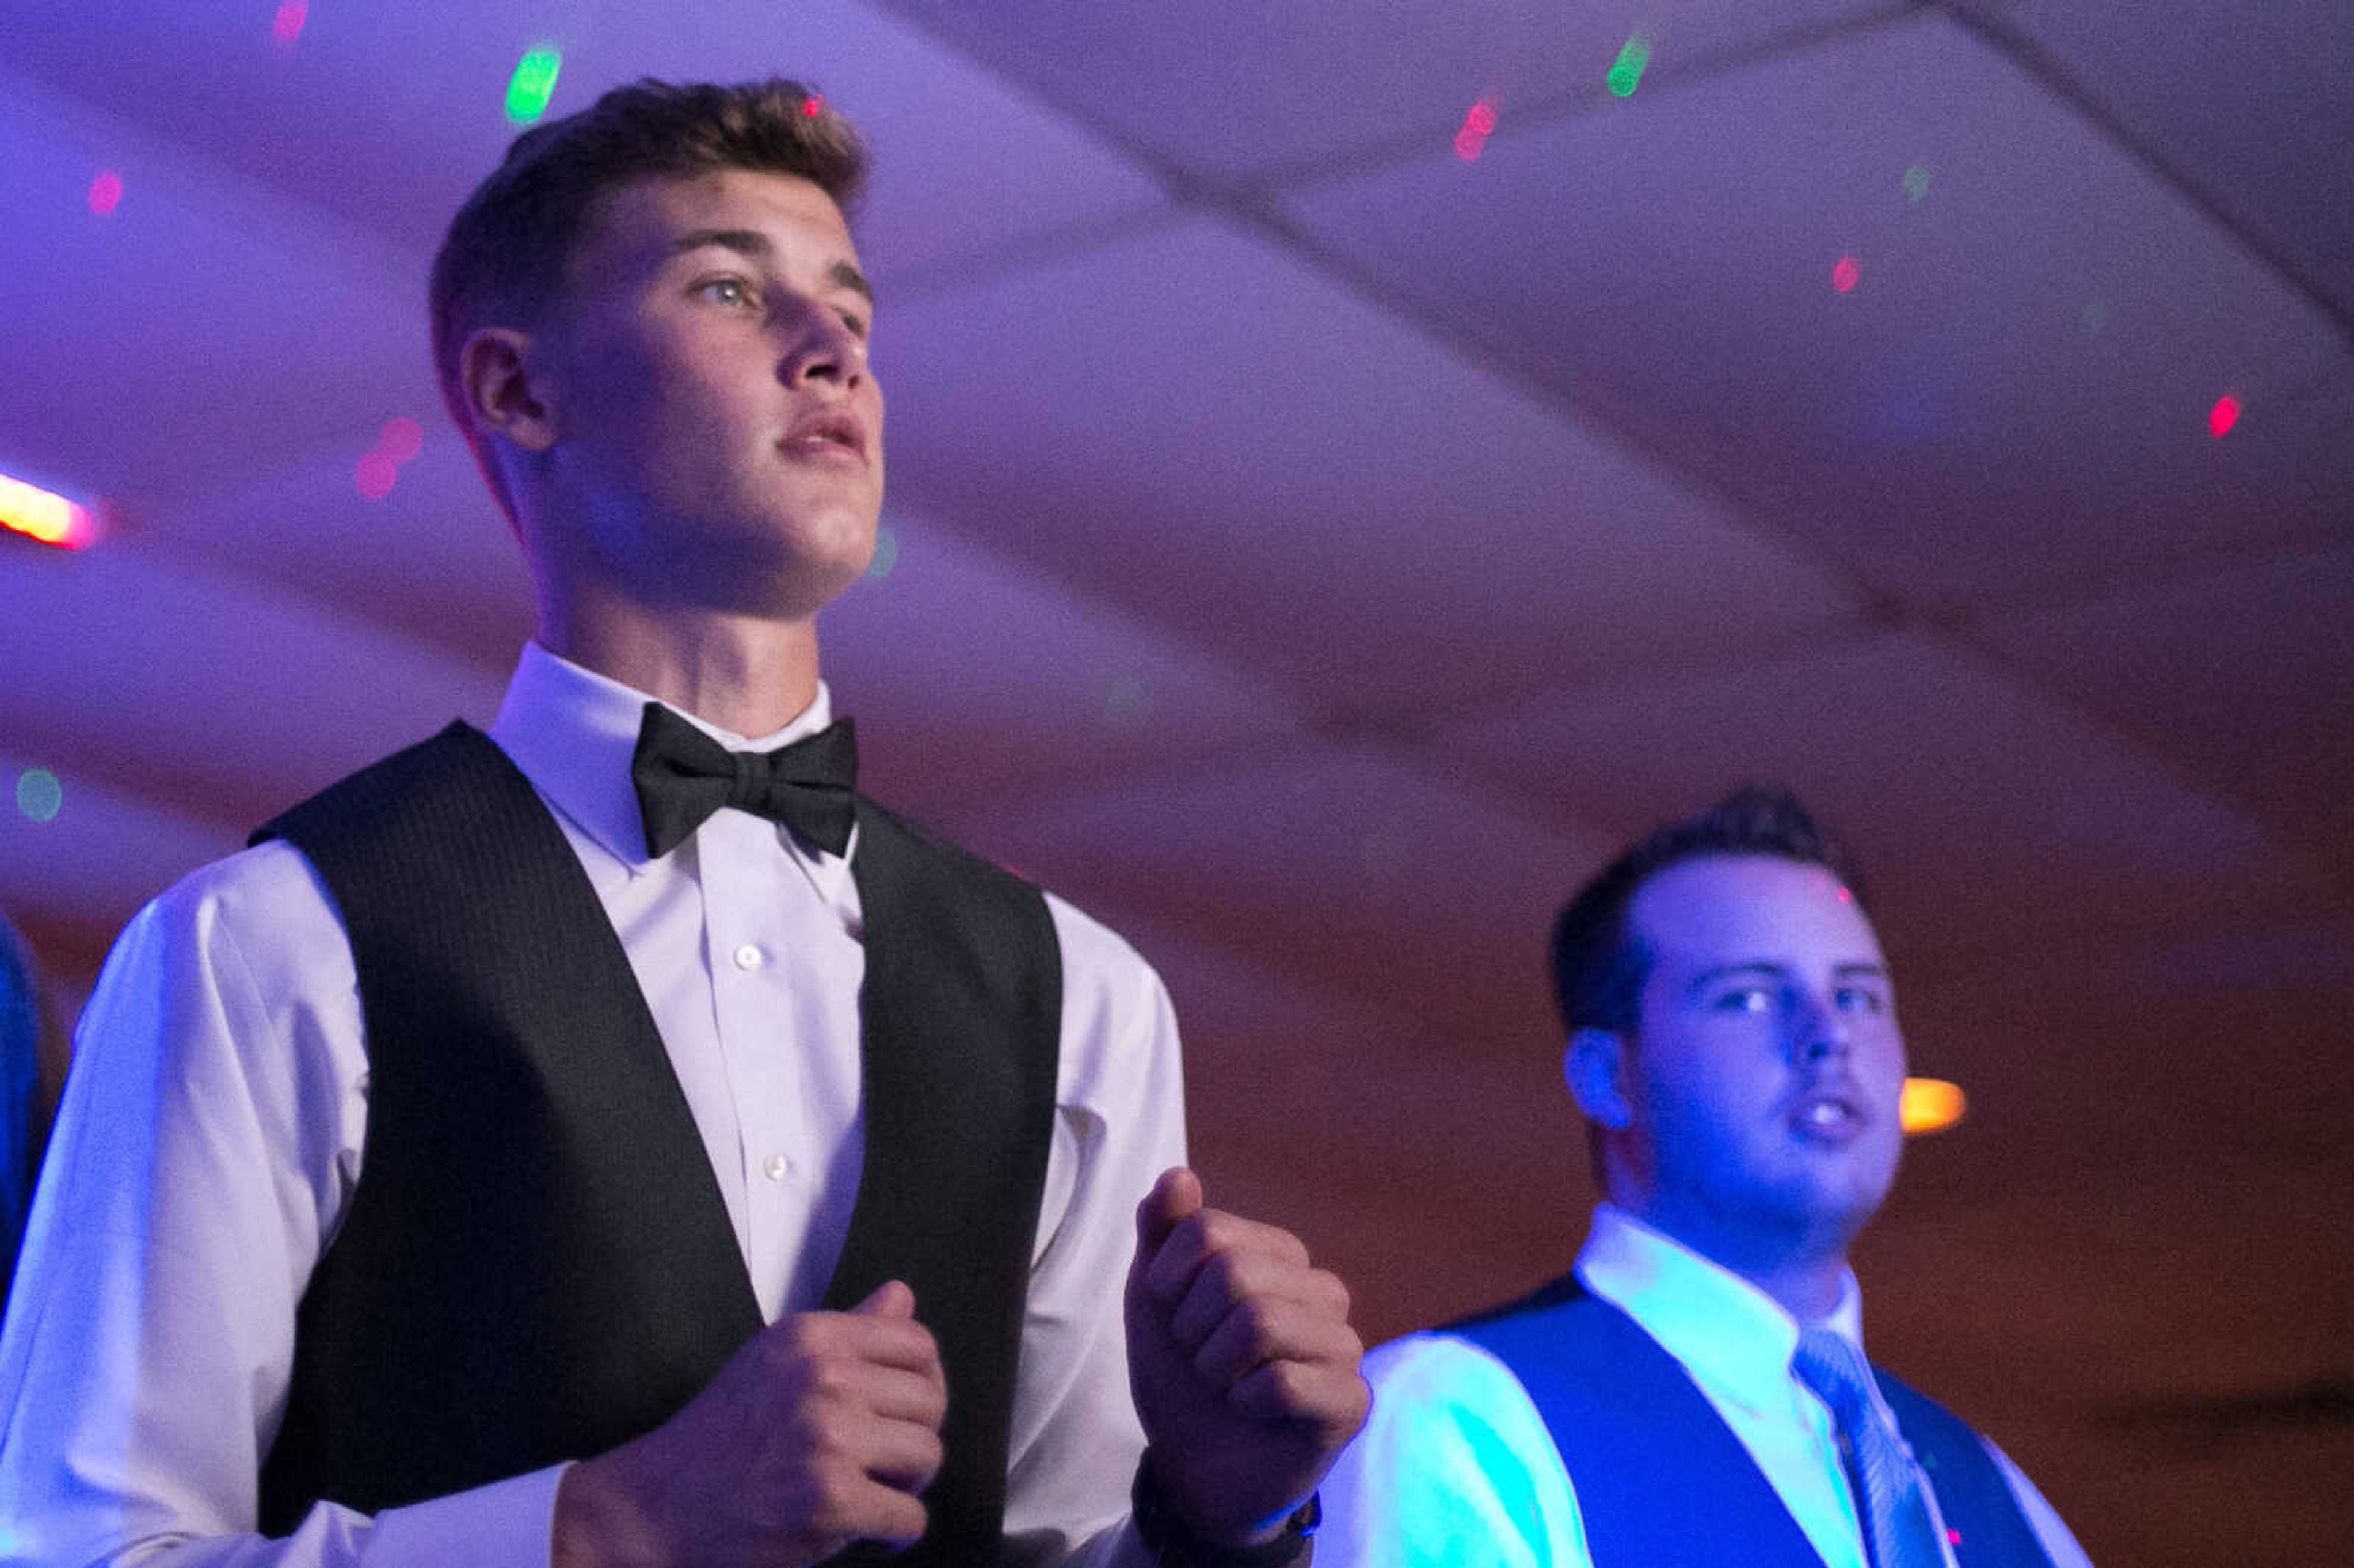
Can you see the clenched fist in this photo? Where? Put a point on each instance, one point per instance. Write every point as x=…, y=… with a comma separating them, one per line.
x=1242, y=1361
x=820, y=1432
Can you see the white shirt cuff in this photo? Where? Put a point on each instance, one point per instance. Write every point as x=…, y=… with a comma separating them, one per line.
x=507, y=1524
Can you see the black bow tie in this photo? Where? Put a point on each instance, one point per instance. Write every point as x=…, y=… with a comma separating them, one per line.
x=683, y=775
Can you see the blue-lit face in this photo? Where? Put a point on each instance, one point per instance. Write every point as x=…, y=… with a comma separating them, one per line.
x=1763, y=1082
x=717, y=433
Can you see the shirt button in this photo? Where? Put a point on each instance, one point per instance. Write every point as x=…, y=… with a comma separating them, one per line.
x=775, y=1167
x=748, y=956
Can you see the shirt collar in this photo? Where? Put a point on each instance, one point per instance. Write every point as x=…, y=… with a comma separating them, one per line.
x=573, y=731
x=1731, y=1335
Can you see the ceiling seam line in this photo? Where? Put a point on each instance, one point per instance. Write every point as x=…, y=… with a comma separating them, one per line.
x=1396, y=153
x=2041, y=66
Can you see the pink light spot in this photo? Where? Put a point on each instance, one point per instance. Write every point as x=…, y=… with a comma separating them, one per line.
x=105, y=192
x=1845, y=896
x=288, y=25
x=402, y=439
x=1846, y=273
x=2222, y=416
x=1954, y=1536
x=1478, y=122
x=375, y=475
x=813, y=105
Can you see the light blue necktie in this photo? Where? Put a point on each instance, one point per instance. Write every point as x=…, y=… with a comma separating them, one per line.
x=1900, y=1529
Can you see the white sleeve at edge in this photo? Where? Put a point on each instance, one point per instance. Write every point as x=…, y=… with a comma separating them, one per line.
x=208, y=1136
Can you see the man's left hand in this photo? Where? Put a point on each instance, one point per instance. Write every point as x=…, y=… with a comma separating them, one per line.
x=1242, y=1361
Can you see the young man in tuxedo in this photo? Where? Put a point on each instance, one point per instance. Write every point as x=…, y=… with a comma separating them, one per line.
x=1695, y=1392
x=612, y=1138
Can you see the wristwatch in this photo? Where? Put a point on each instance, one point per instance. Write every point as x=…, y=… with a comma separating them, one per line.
x=1175, y=1546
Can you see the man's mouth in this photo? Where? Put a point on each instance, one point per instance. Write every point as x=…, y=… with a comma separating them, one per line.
x=1831, y=1115
x=832, y=433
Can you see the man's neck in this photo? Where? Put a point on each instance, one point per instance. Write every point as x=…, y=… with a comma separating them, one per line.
x=743, y=673
x=1803, y=1275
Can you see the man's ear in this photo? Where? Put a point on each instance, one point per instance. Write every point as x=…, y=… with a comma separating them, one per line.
x=1592, y=1064
x=495, y=372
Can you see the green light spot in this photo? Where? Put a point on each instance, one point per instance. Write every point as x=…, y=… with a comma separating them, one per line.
x=39, y=795
x=887, y=556
x=1627, y=71
x=1916, y=183
x=534, y=83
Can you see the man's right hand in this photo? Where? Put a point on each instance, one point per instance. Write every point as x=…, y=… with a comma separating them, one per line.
x=820, y=1432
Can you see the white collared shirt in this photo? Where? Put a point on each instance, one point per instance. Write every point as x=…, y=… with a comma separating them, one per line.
x=215, y=1123
x=1455, y=1466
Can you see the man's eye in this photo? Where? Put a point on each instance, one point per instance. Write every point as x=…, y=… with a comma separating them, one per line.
x=1859, y=999
x=726, y=290
x=1747, y=999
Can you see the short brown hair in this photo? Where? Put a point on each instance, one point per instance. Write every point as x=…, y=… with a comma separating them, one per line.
x=1599, y=970
x=504, y=257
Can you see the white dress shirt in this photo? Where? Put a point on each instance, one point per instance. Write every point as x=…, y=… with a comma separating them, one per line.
x=1455, y=1466
x=214, y=1127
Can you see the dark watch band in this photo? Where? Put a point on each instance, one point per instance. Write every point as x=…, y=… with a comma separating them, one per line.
x=1174, y=1546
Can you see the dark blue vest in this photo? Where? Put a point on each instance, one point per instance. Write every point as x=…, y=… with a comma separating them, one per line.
x=537, y=1264
x=1662, y=1482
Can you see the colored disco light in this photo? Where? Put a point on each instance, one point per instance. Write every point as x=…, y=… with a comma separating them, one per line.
x=534, y=83
x=402, y=439
x=813, y=105
x=2222, y=416
x=46, y=516
x=1478, y=124
x=1930, y=1105
x=1627, y=71
x=287, y=26
x=375, y=475
x=1846, y=273
x=1916, y=183
x=39, y=795
x=105, y=192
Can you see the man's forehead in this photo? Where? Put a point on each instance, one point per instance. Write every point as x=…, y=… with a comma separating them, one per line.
x=1738, y=908
x=637, y=224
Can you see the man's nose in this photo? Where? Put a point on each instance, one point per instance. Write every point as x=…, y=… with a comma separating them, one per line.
x=820, y=346
x=1818, y=1029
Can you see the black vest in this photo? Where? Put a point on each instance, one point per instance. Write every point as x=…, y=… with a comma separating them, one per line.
x=1662, y=1482
x=537, y=1264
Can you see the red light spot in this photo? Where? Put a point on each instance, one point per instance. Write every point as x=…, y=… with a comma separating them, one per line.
x=1845, y=896
x=1954, y=1536
x=403, y=439
x=813, y=105
x=2222, y=416
x=1846, y=273
x=1479, y=122
x=288, y=25
x=374, y=474
x=105, y=192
